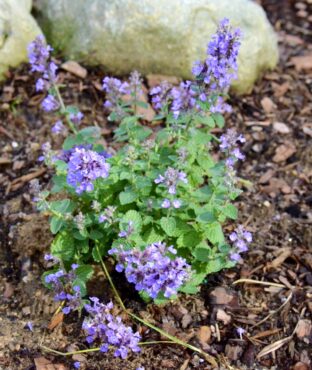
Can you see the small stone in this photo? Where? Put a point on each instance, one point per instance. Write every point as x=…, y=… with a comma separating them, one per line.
x=301, y=366
x=281, y=128
x=268, y=105
x=284, y=152
x=74, y=68
x=157, y=37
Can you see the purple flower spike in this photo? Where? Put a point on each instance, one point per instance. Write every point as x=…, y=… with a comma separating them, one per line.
x=152, y=270
x=109, y=330
x=171, y=178
x=50, y=104
x=84, y=167
x=240, y=238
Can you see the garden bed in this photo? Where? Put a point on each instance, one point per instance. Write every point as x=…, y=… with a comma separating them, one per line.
x=276, y=121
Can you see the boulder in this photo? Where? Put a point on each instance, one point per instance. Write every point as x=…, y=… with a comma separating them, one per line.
x=156, y=36
x=17, y=29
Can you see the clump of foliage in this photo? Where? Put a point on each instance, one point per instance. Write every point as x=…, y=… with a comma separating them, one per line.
x=158, y=204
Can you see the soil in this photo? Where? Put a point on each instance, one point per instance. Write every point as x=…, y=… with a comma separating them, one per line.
x=276, y=315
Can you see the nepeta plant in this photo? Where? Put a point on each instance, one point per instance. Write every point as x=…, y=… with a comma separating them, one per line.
x=162, y=188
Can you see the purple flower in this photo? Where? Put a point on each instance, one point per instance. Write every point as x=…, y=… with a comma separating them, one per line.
x=61, y=283
x=38, y=54
x=135, y=85
x=58, y=128
x=128, y=231
x=166, y=203
x=228, y=144
x=176, y=203
x=76, y=117
x=29, y=325
x=115, y=89
x=107, y=329
x=240, y=239
x=77, y=365
x=183, y=98
x=240, y=331
x=50, y=103
x=84, y=167
x=161, y=95
x=171, y=178
x=153, y=270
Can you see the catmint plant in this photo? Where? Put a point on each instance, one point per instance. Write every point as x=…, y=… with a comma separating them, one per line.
x=162, y=188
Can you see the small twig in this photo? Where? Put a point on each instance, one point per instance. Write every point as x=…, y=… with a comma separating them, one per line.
x=274, y=312
x=251, y=281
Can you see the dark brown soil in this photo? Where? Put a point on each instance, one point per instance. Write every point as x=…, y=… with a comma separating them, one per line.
x=276, y=119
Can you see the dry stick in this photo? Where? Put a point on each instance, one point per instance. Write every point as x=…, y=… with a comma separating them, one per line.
x=251, y=281
x=209, y=358
x=274, y=312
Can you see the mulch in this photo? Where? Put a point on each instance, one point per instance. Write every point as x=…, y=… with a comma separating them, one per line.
x=268, y=295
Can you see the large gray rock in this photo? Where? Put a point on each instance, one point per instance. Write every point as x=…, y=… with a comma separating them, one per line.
x=156, y=36
x=17, y=29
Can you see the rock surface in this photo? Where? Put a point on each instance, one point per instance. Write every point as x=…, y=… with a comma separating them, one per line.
x=156, y=36
x=17, y=29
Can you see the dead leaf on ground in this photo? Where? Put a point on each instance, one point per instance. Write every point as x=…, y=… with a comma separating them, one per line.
x=280, y=259
x=74, y=68
x=224, y=296
x=276, y=186
x=56, y=320
x=284, y=152
x=8, y=290
x=304, y=328
x=273, y=347
x=204, y=334
x=266, y=176
x=42, y=363
x=233, y=353
x=301, y=366
x=223, y=316
x=268, y=105
x=281, y=128
x=302, y=63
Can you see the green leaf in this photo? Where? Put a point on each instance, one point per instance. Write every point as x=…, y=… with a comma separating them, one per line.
x=61, y=206
x=152, y=236
x=230, y=211
x=90, y=131
x=219, y=119
x=214, y=233
x=135, y=217
x=127, y=197
x=207, y=120
x=192, y=286
x=202, y=252
x=56, y=224
x=63, y=246
x=168, y=224
x=84, y=272
x=95, y=234
x=215, y=265
x=59, y=183
x=206, y=217
x=189, y=240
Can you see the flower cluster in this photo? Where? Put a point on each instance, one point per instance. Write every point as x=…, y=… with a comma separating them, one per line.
x=171, y=178
x=240, y=239
x=85, y=166
x=183, y=98
x=153, y=270
x=161, y=95
x=228, y=144
x=212, y=77
x=107, y=215
x=115, y=90
x=103, y=327
x=39, y=58
x=61, y=283
x=176, y=203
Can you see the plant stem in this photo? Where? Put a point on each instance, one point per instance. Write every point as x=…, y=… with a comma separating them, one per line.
x=209, y=358
x=63, y=109
x=69, y=353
